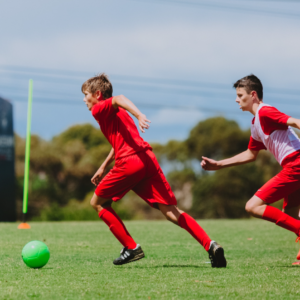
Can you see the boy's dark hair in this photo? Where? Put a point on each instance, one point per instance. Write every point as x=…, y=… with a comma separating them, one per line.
x=98, y=83
x=250, y=83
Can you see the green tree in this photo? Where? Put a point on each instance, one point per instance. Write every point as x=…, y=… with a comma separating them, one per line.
x=60, y=169
x=86, y=133
x=217, y=138
x=224, y=193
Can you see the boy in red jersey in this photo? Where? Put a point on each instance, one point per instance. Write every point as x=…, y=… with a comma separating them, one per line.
x=136, y=168
x=270, y=130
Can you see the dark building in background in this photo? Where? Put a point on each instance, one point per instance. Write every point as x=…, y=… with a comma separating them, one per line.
x=7, y=163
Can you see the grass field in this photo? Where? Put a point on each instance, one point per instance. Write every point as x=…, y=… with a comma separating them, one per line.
x=259, y=258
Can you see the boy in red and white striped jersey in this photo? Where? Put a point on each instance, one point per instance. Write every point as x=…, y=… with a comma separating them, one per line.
x=270, y=130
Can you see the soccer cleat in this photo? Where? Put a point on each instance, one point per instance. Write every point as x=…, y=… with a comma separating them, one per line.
x=129, y=255
x=216, y=255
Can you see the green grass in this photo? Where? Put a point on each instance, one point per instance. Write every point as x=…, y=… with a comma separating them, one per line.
x=259, y=256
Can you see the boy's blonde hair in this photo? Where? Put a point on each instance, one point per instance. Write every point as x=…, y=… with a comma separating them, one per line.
x=98, y=83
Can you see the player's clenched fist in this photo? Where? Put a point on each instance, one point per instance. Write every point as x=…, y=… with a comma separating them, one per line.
x=209, y=164
x=98, y=176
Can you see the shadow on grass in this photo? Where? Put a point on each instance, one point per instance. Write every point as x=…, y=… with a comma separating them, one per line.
x=276, y=267
x=166, y=266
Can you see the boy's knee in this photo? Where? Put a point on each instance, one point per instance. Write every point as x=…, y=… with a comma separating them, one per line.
x=251, y=208
x=248, y=207
x=169, y=216
x=93, y=203
x=256, y=207
x=99, y=203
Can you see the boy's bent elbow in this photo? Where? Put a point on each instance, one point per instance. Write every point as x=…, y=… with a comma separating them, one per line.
x=252, y=155
x=293, y=122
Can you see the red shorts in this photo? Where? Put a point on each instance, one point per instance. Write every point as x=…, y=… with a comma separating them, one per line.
x=285, y=185
x=142, y=174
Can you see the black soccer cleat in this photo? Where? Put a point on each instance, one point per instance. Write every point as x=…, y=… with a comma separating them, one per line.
x=128, y=255
x=216, y=255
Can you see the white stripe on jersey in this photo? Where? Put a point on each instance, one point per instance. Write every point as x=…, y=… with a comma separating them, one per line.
x=280, y=143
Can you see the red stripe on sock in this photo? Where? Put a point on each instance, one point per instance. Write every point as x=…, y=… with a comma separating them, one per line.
x=281, y=219
x=117, y=227
x=190, y=225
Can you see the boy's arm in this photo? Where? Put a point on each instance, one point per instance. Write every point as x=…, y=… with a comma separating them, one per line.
x=125, y=103
x=100, y=172
x=242, y=158
x=293, y=122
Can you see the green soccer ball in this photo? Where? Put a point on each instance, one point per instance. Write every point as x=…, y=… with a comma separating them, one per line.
x=35, y=254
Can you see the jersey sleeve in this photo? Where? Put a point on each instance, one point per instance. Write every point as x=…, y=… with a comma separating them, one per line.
x=104, y=109
x=272, y=119
x=256, y=145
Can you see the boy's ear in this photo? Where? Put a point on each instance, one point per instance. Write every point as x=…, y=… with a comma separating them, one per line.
x=98, y=95
x=254, y=94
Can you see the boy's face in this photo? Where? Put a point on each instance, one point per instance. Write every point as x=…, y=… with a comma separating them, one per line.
x=244, y=99
x=91, y=99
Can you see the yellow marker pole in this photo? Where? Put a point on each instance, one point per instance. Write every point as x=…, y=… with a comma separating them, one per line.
x=24, y=225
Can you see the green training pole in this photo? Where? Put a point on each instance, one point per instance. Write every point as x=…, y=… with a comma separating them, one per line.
x=27, y=151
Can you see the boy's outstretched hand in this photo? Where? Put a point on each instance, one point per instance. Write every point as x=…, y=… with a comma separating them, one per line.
x=98, y=176
x=143, y=122
x=209, y=164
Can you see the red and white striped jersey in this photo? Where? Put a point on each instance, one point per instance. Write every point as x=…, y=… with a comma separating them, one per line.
x=269, y=131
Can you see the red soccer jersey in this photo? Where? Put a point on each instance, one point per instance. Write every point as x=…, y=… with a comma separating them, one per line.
x=271, y=119
x=119, y=129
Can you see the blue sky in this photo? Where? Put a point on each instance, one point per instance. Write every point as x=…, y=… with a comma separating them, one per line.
x=176, y=59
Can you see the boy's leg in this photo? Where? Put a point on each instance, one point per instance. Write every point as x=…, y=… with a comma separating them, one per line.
x=112, y=220
x=286, y=184
x=291, y=207
x=260, y=209
x=185, y=221
x=126, y=173
x=291, y=204
x=156, y=191
x=292, y=211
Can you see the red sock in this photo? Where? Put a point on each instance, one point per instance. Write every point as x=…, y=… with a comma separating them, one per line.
x=117, y=227
x=189, y=224
x=281, y=219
